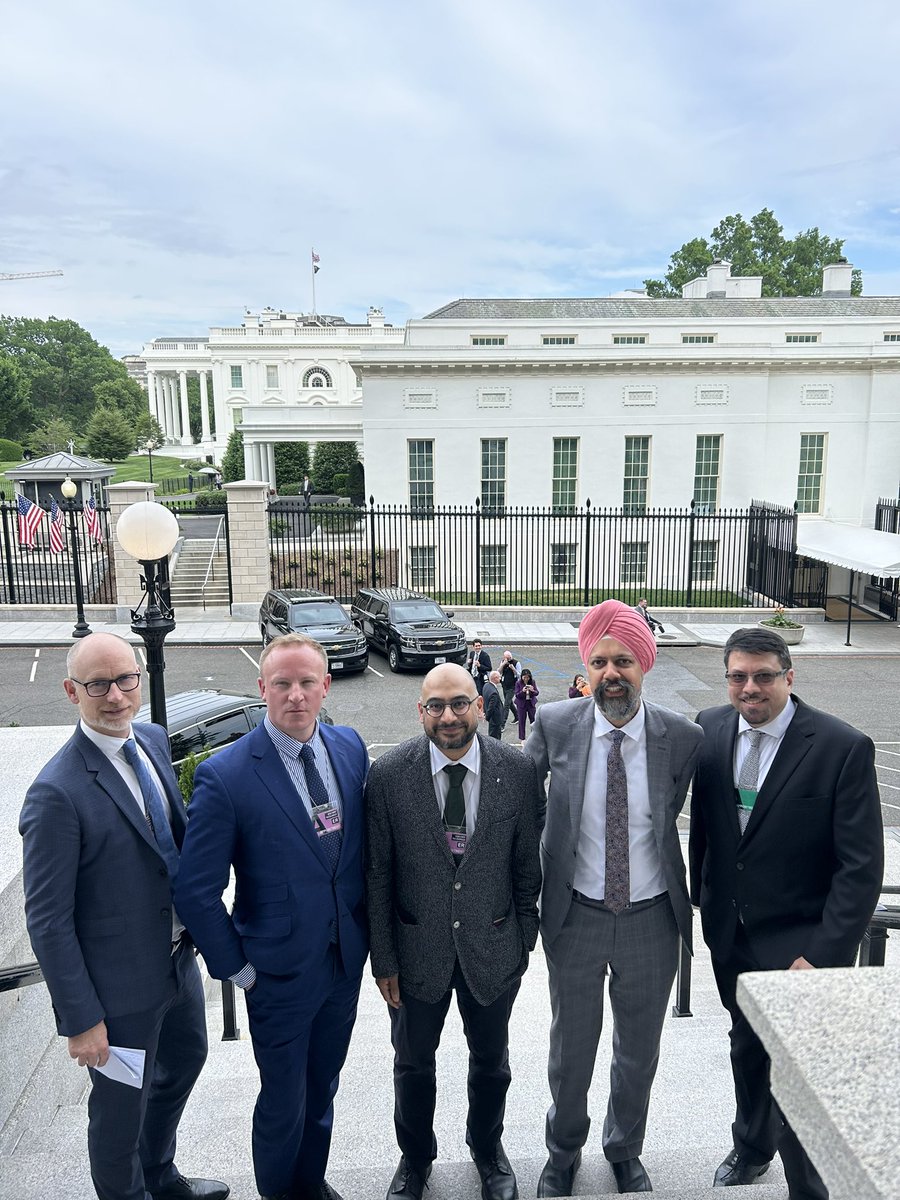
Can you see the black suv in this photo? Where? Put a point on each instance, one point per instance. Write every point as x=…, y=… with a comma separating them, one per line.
x=410, y=628
x=304, y=610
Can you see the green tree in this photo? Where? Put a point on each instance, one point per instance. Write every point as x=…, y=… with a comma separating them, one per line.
x=109, y=435
x=233, y=458
x=332, y=458
x=126, y=395
x=788, y=266
x=291, y=462
x=146, y=427
x=356, y=483
x=52, y=436
x=16, y=414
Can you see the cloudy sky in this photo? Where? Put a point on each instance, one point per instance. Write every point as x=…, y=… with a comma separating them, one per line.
x=179, y=160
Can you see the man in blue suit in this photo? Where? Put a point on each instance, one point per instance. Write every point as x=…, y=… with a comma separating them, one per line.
x=102, y=824
x=283, y=807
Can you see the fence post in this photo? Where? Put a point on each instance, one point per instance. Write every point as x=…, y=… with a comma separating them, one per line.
x=8, y=555
x=477, y=549
x=586, y=543
x=373, y=567
x=689, y=589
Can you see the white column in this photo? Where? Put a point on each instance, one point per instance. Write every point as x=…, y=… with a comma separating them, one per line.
x=151, y=395
x=186, y=439
x=171, y=424
x=269, y=449
x=204, y=408
x=253, y=457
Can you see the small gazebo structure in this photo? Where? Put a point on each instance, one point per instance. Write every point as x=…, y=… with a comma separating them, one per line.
x=42, y=477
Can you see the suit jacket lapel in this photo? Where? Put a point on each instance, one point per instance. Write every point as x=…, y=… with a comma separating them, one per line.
x=725, y=739
x=795, y=745
x=488, y=795
x=658, y=770
x=109, y=779
x=579, y=750
x=271, y=771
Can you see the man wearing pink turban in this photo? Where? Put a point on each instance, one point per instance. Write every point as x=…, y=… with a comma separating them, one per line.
x=614, y=899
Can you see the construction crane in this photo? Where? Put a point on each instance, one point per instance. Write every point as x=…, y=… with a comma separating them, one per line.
x=28, y=274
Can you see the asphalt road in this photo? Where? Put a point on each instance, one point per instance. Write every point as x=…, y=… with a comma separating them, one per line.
x=382, y=706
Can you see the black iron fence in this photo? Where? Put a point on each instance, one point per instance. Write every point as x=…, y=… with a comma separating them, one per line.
x=37, y=575
x=884, y=594
x=539, y=556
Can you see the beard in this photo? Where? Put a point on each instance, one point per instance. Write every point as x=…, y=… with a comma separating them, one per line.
x=617, y=708
x=453, y=738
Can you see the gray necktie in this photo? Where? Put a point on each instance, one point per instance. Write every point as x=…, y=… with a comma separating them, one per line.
x=617, y=892
x=749, y=774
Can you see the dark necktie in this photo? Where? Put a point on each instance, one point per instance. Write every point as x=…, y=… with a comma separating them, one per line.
x=748, y=779
x=455, y=804
x=155, y=810
x=318, y=794
x=617, y=892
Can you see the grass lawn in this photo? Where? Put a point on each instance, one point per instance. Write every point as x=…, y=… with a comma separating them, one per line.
x=135, y=467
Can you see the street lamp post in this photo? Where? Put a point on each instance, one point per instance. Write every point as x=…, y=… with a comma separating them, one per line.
x=150, y=446
x=148, y=531
x=69, y=490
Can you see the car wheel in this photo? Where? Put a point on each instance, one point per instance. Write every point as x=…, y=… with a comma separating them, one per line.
x=394, y=659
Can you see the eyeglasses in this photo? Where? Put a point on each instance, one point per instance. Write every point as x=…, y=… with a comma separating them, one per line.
x=460, y=706
x=762, y=678
x=100, y=687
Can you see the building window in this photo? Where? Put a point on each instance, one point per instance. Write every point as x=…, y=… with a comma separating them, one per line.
x=558, y=339
x=793, y=338
x=481, y=339
x=706, y=472
x=567, y=397
x=809, y=477
x=421, y=474
x=637, y=472
x=563, y=562
x=698, y=339
x=493, y=566
x=703, y=561
x=565, y=473
x=493, y=473
x=629, y=339
x=237, y=377
x=421, y=568
x=316, y=377
x=646, y=395
x=633, y=562
x=271, y=377
x=419, y=398
x=816, y=393
x=711, y=395
x=493, y=398
x=892, y=337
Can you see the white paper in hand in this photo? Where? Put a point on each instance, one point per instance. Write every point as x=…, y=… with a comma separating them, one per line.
x=124, y=1065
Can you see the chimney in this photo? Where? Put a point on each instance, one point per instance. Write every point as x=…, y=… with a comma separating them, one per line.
x=837, y=278
x=716, y=275
x=375, y=317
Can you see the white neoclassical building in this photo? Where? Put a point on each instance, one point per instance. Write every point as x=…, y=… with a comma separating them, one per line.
x=281, y=376
x=718, y=397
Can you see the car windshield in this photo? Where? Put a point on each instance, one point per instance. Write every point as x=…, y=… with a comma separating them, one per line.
x=418, y=610
x=317, y=614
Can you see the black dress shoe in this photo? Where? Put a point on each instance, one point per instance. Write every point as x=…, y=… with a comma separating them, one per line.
x=320, y=1191
x=192, y=1189
x=737, y=1170
x=498, y=1181
x=631, y=1176
x=558, y=1181
x=409, y=1181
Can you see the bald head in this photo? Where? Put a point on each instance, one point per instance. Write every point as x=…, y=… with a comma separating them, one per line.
x=85, y=650
x=448, y=675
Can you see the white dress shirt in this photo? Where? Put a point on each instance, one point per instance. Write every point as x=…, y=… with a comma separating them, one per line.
x=768, y=745
x=471, y=783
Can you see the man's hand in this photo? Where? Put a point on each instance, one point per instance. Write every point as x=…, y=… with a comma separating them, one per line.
x=90, y=1048
x=800, y=964
x=390, y=989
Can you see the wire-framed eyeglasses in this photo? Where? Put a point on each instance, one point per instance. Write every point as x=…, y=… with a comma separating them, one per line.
x=100, y=687
x=761, y=678
x=459, y=706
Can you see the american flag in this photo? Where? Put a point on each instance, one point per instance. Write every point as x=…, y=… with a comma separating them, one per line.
x=57, y=536
x=92, y=520
x=315, y=259
x=30, y=517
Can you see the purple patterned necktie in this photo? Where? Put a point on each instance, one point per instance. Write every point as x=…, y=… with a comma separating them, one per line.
x=618, y=882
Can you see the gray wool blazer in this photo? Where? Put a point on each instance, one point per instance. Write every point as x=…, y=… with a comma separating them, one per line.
x=559, y=745
x=425, y=911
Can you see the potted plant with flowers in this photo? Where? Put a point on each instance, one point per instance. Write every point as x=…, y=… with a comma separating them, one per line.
x=791, y=631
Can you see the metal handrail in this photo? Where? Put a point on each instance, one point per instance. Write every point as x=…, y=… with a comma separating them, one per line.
x=212, y=559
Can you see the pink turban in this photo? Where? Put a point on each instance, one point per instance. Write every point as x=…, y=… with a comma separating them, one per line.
x=614, y=619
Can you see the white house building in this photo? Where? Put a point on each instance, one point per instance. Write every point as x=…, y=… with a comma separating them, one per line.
x=718, y=397
x=280, y=376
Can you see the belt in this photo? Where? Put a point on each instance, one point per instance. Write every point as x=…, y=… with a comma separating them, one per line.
x=590, y=902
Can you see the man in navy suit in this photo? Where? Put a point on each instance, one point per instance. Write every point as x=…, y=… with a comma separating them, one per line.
x=102, y=824
x=283, y=807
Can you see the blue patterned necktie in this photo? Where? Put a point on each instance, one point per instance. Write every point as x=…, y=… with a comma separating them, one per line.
x=318, y=794
x=154, y=808
x=617, y=891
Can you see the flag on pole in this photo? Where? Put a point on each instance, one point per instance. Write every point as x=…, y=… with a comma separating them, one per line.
x=92, y=520
x=30, y=517
x=315, y=260
x=57, y=536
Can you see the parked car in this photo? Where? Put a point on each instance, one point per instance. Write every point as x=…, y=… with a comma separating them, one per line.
x=305, y=610
x=208, y=720
x=409, y=627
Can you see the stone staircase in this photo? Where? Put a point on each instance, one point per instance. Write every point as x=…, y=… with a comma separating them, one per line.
x=190, y=572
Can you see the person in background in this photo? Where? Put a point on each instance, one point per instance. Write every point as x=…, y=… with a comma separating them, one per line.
x=493, y=705
x=641, y=609
x=510, y=670
x=526, y=700
x=579, y=687
x=478, y=664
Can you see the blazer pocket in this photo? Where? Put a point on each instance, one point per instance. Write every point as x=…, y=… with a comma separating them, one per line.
x=101, y=926
x=405, y=918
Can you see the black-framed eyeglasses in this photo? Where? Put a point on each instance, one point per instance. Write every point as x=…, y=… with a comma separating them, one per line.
x=762, y=678
x=100, y=687
x=459, y=706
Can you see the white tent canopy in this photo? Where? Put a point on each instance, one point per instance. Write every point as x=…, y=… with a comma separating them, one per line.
x=869, y=551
